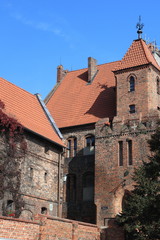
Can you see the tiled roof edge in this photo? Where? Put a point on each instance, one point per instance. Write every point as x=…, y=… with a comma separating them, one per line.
x=17, y=86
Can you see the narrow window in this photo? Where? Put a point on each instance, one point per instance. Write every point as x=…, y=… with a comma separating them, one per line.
x=75, y=146
x=69, y=148
x=132, y=84
x=132, y=108
x=158, y=86
x=31, y=174
x=43, y=210
x=120, y=153
x=130, y=152
x=45, y=177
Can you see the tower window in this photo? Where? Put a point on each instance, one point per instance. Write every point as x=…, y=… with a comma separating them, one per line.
x=131, y=84
x=130, y=152
x=132, y=108
x=120, y=153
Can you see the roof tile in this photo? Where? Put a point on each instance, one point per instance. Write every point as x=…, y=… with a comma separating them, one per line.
x=26, y=109
x=75, y=102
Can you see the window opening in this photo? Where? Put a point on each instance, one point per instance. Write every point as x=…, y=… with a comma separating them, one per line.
x=72, y=147
x=90, y=141
x=132, y=108
x=130, y=152
x=10, y=205
x=45, y=177
x=132, y=84
x=69, y=148
x=158, y=86
x=75, y=146
x=31, y=174
x=43, y=210
x=120, y=153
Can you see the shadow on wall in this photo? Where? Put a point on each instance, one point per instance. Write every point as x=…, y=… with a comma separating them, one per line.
x=112, y=231
x=105, y=104
x=80, y=189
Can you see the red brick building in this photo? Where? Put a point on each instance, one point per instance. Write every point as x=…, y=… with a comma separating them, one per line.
x=37, y=185
x=106, y=113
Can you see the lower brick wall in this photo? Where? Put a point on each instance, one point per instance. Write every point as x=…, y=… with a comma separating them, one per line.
x=48, y=228
x=19, y=229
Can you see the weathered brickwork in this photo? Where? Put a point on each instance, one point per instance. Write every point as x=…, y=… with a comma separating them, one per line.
x=144, y=97
x=19, y=229
x=40, y=187
x=113, y=178
x=45, y=227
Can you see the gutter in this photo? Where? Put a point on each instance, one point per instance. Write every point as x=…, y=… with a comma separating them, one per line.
x=50, y=118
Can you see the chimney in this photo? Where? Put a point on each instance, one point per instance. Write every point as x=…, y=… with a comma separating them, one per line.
x=60, y=73
x=92, y=68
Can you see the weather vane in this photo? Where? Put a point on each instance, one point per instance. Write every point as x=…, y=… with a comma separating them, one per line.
x=140, y=27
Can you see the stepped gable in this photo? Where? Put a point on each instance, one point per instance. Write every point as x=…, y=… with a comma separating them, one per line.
x=77, y=102
x=138, y=54
x=26, y=109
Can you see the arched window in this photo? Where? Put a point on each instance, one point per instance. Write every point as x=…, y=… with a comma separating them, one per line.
x=72, y=147
x=158, y=86
x=89, y=145
x=131, y=84
x=88, y=186
x=90, y=141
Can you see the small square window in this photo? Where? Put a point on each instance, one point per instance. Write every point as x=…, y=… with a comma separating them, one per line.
x=132, y=108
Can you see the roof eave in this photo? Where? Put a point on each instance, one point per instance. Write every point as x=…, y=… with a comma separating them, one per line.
x=48, y=139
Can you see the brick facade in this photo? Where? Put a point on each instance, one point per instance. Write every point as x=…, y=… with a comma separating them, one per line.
x=40, y=188
x=44, y=227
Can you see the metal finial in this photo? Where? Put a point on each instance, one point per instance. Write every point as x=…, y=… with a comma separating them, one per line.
x=140, y=27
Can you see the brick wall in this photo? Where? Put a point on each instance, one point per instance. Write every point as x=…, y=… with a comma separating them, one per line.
x=39, y=183
x=113, y=179
x=47, y=228
x=19, y=229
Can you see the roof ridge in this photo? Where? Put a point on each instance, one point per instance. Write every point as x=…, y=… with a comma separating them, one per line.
x=17, y=86
x=142, y=41
x=97, y=65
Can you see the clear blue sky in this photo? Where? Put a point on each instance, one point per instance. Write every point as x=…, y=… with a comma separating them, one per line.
x=38, y=35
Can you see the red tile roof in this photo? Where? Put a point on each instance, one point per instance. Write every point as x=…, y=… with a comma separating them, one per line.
x=26, y=108
x=138, y=54
x=75, y=102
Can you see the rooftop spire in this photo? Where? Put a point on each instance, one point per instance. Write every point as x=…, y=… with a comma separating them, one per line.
x=140, y=27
